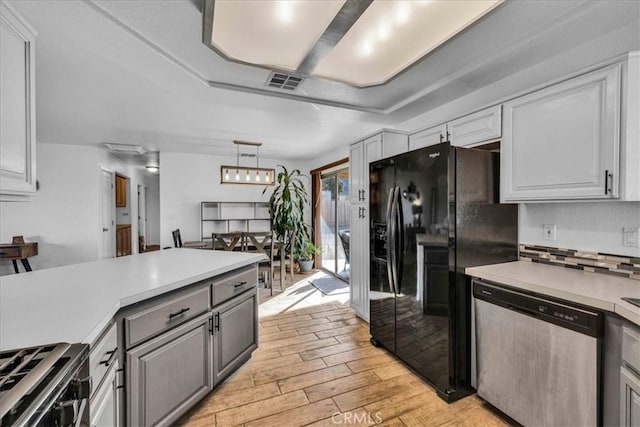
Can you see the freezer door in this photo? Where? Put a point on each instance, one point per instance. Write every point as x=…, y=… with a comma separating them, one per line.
x=382, y=305
x=422, y=306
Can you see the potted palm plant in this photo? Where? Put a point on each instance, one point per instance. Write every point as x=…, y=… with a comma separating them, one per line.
x=287, y=204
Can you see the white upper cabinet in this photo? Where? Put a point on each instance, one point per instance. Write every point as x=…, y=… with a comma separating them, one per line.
x=393, y=144
x=476, y=128
x=467, y=131
x=563, y=142
x=377, y=147
x=356, y=171
x=425, y=138
x=17, y=106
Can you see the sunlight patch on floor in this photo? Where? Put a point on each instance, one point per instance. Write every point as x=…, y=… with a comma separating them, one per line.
x=300, y=295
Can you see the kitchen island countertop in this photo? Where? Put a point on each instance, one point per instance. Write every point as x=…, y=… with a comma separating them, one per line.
x=75, y=303
x=596, y=290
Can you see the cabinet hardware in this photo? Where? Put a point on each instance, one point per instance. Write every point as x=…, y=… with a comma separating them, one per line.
x=217, y=322
x=441, y=138
x=237, y=285
x=184, y=310
x=112, y=355
x=448, y=136
x=608, y=179
x=363, y=199
x=211, y=325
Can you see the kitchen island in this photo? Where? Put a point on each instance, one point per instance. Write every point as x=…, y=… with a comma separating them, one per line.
x=75, y=303
x=164, y=328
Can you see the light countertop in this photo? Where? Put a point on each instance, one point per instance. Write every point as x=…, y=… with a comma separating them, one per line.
x=596, y=290
x=75, y=303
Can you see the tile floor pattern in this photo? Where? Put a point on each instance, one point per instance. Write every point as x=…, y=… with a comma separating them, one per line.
x=315, y=366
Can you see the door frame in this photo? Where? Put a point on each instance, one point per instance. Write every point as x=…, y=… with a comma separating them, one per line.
x=142, y=214
x=316, y=196
x=112, y=229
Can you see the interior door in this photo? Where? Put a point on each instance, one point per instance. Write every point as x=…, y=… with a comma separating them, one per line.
x=422, y=317
x=107, y=222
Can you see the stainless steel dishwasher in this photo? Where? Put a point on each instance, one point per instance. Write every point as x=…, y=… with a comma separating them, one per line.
x=538, y=360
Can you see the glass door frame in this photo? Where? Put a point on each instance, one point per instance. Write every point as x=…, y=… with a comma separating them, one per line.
x=316, y=175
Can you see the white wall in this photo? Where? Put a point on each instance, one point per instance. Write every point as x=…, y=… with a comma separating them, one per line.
x=188, y=179
x=587, y=226
x=63, y=216
x=152, y=182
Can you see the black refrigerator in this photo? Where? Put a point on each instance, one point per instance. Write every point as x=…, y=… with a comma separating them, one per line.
x=434, y=212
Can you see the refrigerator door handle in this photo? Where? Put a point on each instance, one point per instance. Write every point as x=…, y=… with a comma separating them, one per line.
x=394, y=239
x=399, y=230
x=390, y=242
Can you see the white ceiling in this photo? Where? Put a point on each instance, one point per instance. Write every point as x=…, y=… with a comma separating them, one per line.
x=137, y=72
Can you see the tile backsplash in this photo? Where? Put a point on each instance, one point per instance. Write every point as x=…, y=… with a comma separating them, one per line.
x=618, y=265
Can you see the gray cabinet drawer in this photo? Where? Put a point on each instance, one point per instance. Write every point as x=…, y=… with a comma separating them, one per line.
x=631, y=347
x=102, y=355
x=164, y=315
x=233, y=284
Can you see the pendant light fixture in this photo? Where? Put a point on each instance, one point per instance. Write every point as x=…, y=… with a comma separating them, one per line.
x=246, y=174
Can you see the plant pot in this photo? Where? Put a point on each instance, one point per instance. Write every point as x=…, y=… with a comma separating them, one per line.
x=305, y=266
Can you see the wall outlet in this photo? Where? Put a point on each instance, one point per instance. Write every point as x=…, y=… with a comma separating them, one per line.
x=549, y=231
x=630, y=237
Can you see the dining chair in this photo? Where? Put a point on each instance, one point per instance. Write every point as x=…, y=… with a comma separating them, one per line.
x=228, y=241
x=177, y=240
x=264, y=242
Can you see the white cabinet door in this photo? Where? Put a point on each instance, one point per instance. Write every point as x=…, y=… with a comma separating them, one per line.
x=17, y=103
x=359, y=258
x=428, y=137
x=103, y=407
x=356, y=172
x=372, y=153
x=475, y=128
x=393, y=144
x=562, y=142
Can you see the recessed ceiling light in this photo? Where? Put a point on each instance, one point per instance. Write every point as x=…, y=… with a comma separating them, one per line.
x=363, y=60
x=273, y=34
x=383, y=31
x=363, y=43
x=284, y=11
x=402, y=12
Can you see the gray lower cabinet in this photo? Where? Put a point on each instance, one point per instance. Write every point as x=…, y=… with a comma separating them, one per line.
x=630, y=396
x=104, y=404
x=235, y=333
x=168, y=374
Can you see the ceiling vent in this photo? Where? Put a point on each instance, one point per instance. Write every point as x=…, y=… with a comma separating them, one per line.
x=284, y=81
x=125, y=148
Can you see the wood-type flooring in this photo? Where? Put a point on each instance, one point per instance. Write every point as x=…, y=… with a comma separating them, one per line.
x=315, y=366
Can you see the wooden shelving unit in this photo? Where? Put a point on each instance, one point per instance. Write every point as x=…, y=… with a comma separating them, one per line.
x=228, y=217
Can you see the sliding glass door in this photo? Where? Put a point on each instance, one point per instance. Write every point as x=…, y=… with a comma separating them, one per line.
x=334, y=222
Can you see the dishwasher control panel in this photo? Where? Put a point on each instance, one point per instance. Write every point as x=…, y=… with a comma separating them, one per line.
x=561, y=313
